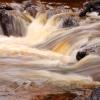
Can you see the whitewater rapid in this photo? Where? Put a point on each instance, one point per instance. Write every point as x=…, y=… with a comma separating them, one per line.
x=49, y=48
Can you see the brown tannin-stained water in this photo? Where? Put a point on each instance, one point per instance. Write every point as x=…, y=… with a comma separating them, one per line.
x=55, y=49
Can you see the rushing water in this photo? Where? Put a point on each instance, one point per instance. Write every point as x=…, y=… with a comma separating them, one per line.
x=47, y=47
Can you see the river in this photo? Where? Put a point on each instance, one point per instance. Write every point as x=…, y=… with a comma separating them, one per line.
x=47, y=50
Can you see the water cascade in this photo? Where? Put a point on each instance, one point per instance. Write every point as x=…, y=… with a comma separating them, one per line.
x=50, y=48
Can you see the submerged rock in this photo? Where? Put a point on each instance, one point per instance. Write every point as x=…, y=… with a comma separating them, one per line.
x=13, y=20
x=90, y=6
x=93, y=47
x=81, y=55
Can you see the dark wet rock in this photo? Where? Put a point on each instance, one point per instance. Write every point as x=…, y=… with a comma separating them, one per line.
x=12, y=23
x=11, y=6
x=5, y=6
x=24, y=6
x=30, y=8
x=81, y=54
x=70, y=22
x=90, y=6
x=90, y=48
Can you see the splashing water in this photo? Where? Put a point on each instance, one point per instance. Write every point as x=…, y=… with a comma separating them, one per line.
x=49, y=45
